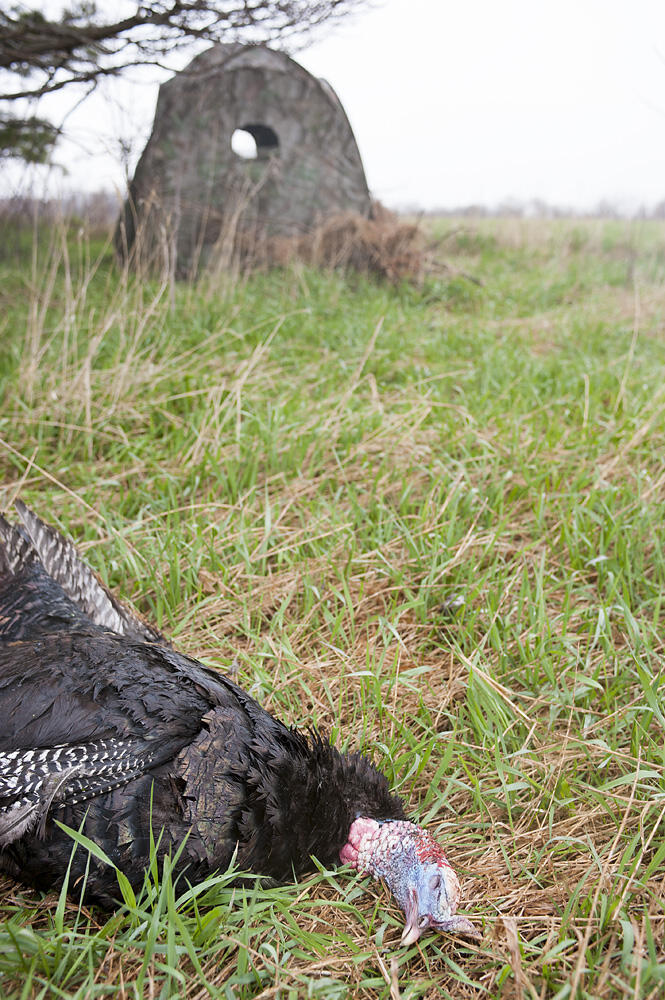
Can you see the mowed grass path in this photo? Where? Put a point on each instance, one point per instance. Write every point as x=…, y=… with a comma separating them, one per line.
x=428, y=521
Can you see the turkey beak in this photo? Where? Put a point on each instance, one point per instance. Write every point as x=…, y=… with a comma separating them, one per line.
x=412, y=929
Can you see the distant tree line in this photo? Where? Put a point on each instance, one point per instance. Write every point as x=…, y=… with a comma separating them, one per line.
x=98, y=210
x=540, y=209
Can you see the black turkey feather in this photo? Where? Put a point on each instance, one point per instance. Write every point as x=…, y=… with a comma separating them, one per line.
x=105, y=727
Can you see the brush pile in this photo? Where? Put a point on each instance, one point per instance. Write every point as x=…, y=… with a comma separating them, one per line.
x=381, y=246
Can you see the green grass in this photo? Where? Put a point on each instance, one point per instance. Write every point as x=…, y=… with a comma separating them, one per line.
x=301, y=473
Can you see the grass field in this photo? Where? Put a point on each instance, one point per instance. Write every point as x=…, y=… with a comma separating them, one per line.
x=428, y=521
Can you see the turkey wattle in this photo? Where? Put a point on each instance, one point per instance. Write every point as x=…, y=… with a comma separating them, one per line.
x=105, y=727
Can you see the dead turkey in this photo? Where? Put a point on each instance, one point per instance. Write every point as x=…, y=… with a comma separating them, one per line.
x=107, y=728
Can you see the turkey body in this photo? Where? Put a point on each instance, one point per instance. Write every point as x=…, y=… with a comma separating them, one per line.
x=105, y=728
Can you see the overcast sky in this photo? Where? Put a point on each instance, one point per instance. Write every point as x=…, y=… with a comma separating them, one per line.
x=455, y=103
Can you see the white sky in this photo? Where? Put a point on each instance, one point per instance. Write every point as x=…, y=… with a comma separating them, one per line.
x=461, y=101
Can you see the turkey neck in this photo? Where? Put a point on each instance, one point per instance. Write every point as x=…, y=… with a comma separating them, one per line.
x=303, y=797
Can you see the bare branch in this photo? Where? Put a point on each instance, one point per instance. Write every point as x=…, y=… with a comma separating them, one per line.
x=80, y=46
